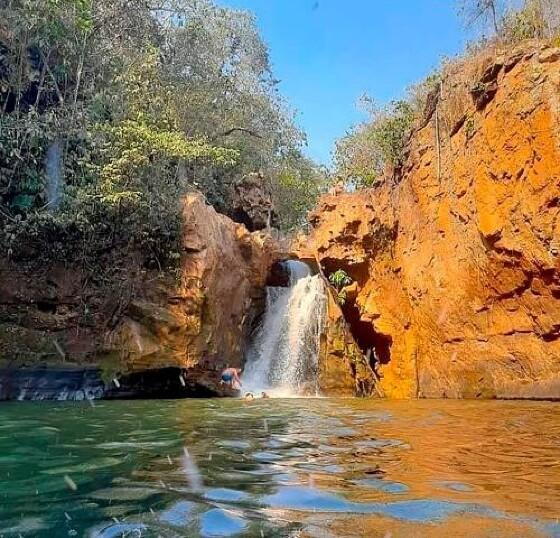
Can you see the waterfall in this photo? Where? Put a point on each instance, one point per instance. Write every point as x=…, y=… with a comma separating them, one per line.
x=283, y=357
x=53, y=171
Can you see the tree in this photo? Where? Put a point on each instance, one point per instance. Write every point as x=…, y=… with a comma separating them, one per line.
x=375, y=147
x=527, y=20
x=486, y=11
x=295, y=185
x=147, y=99
x=535, y=19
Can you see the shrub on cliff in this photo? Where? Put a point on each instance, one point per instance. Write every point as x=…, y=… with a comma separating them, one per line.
x=339, y=279
x=532, y=19
x=375, y=147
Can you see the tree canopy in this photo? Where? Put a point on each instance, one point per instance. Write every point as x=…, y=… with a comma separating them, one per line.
x=146, y=99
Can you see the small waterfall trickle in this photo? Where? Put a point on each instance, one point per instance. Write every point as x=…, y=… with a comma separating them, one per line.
x=283, y=358
x=53, y=170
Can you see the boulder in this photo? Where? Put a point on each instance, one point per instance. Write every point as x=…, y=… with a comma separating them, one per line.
x=252, y=204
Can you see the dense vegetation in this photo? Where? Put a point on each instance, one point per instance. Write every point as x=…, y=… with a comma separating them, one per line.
x=111, y=109
x=375, y=150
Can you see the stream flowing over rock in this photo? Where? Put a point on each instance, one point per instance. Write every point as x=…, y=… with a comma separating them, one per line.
x=283, y=358
x=456, y=259
x=162, y=333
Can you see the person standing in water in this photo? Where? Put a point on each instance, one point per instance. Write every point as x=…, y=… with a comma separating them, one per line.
x=230, y=376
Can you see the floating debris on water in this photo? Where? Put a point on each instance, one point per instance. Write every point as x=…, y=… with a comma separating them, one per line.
x=265, y=422
x=169, y=460
x=67, y=515
x=191, y=471
x=182, y=380
x=116, y=382
x=70, y=483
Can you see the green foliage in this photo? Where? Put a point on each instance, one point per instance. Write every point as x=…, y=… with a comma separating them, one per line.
x=418, y=94
x=366, y=153
x=147, y=103
x=295, y=186
x=133, y=148
x=341, y=297
x=392, y=131
x=340, y=279
x=536, y=19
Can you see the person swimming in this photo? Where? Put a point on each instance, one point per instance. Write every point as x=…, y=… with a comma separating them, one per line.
x=264, y=395
x=230, y=376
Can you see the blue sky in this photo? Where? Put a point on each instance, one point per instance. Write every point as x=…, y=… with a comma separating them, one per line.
x=327, y=53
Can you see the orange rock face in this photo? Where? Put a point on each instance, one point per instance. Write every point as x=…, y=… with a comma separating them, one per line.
x=196, y=318
x=343, y=369
x=457, y=260
x=202, y=319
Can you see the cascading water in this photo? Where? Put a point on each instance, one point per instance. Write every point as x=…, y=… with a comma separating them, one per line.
x=283, y=358
x=53, y=169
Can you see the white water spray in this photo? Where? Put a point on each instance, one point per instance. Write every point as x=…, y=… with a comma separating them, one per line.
x=53, y=169
x=283, y=358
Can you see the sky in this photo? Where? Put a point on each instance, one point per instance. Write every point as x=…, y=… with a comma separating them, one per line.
x=327, y=53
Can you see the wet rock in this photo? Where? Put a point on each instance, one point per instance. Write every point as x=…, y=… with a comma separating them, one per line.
x=279, y=276
x=90, y=383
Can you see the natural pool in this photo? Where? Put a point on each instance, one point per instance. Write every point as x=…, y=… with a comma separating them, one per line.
x=296, y=467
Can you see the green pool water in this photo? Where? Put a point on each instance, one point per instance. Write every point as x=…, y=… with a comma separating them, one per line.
x=296, y=467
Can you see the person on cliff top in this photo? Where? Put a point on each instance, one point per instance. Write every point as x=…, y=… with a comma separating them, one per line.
x=230, y=376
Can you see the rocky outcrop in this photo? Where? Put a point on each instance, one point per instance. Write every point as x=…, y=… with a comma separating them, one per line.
x=457, y=260
x=194, y=319
x=252, y=204
x=343, y=369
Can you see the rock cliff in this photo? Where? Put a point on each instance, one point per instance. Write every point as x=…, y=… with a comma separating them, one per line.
x=193, y=320
x=457, y=257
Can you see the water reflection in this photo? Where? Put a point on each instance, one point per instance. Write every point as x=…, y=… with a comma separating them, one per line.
x=318, y=468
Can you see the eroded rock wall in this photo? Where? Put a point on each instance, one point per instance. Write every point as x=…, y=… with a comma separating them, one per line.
x=195, y=318
x=343, y=369
x=457, y=258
